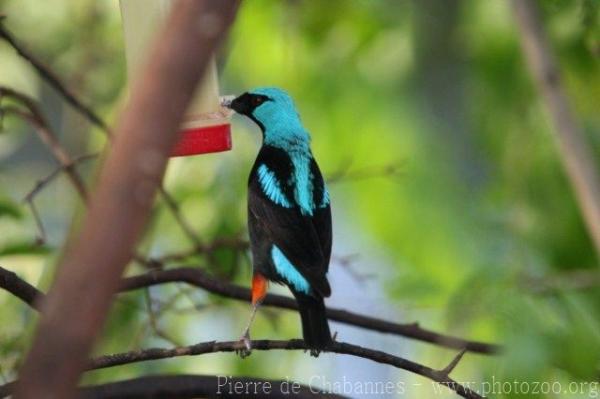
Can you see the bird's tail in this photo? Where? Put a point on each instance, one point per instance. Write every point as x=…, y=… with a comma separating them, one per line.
x=315, y=328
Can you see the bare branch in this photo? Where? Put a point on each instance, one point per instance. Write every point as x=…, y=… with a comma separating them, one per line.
x=201, y=279
x=347, y=263
x=67, y=164
x=123, y=198
x=26, y=292
x=34, y=117
x=6, y=389
x=153, y=319
x=570, y=280
x=452, y=365
x=345, y=173
x=183, y=223
x=294, y=344
x=41, y=238
x=196, y=386
x=51, y=78
x=233, y=243
x=43, y=182
x=576, y=155
x=29, y=197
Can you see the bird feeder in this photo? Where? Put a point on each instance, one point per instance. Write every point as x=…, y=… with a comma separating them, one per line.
x=206, y=124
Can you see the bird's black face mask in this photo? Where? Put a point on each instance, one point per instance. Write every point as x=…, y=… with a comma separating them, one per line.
x=247, y=103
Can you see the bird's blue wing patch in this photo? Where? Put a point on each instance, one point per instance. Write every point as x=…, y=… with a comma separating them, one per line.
x=271, y=186
x=325, y=200
x=288, y=272
x=303, y=186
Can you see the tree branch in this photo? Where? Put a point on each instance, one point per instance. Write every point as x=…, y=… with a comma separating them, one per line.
x=439, y=376
x=67, y=164
x=575, y=153
x=130, y=386
x=50, y=77
x=43, y=182
x=26, y=292
x=76, y=307
x=201, y=279
x=569, y=280
x=195, y=386
x=34, y=117
x=345, y=173
x=452, y=365
x=178, y=216
x=39, y=186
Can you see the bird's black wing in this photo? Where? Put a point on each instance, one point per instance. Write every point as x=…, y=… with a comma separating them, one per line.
x=322, y=215
x=293, y=233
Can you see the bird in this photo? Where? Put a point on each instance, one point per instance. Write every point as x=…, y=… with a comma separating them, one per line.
x=289, y=213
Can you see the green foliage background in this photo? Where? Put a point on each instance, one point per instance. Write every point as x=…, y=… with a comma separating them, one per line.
x=480, y=218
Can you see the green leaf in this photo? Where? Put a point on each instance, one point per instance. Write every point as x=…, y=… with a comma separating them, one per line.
x=10, y=209
x=23, y=248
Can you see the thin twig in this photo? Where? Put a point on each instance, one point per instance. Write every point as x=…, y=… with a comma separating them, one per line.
x=20, y=288
x=233, y=243
x=346, y=262
x=67, y=164
x=343, y=348
x=50, y=77
x=452, y=365
x=201, y=279
x=345, y=174
x=570, y=280
x=575, y=152
x=196, y=386
x=29, y=197
x=43, y=182
x=34, y=117
x=41, y=238
x=153, y=317
x=179, y=218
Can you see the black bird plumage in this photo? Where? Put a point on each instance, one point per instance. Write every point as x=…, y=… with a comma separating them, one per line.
x=289, y=213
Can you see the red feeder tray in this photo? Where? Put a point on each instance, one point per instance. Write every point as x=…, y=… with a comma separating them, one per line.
x=203, y=140
x=205, y=127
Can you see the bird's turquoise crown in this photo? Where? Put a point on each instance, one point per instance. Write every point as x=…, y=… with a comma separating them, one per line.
x=275, y=112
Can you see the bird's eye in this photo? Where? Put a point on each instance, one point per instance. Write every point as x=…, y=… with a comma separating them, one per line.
x=256, y=101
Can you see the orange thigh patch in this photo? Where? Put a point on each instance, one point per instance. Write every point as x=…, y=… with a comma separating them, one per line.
x=259, y=288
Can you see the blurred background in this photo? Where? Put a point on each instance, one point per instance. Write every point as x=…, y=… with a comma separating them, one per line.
x=451, y=206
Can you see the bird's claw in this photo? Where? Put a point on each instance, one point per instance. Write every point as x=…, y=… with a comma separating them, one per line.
x=246, y=350
x=316, y=352
x=313, y=352
x=243, y=352
x=247, y=343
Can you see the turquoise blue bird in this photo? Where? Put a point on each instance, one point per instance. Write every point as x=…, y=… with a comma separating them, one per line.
x=289, y=213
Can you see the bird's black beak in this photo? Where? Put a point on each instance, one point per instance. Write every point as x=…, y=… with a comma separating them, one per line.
x=240, y=104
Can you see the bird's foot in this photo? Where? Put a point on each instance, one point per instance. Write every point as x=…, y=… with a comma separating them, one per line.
x=245, y=349
x=315, y=352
